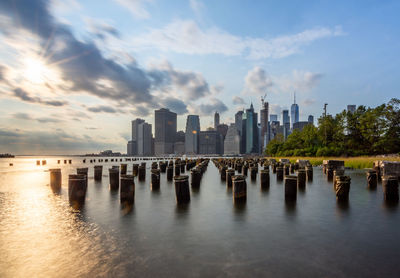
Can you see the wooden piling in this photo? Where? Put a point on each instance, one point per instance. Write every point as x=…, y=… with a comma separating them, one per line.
x=290, y=188
x=264, y=179
x=98, y=172
x=239, y=188
x=182, y=192
x=127, y=190
x=114, y=178
x=55, y=180
x=390, y=186
x=342, y=188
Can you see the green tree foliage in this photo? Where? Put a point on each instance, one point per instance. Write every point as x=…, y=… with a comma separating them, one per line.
x=367, y=131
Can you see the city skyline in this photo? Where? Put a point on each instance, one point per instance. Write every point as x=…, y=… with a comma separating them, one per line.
x=73, y=75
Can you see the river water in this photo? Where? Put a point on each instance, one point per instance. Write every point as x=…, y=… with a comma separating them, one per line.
x=41, y=236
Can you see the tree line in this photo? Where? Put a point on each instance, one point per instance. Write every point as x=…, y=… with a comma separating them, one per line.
x=367, y=131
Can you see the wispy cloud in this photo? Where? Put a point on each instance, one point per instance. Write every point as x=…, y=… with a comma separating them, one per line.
x=135, y=7
x=257, y=81
x=185, y=36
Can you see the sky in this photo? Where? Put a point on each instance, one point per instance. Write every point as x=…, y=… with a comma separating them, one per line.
x=74, y=74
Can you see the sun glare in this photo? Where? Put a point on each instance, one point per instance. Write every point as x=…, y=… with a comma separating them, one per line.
x=35, y=70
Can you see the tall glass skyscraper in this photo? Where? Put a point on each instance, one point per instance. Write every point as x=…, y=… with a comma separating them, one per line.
x=294, y=112
x=165, y=131
x=250, y=118
x=192, y=134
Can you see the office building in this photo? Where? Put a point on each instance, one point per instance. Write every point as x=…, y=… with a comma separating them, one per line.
x=216, y=120
x=222, y=129
x=273, y=118
x=251, y=130
x=294, y=112
x=165, y=131
x=264, y=123
x=232, y=141
x=144, y=139
x=210, y=142
x=285, y=123
x=192, y=134
x=351, y=108
x=311, y=119
x=300, y=125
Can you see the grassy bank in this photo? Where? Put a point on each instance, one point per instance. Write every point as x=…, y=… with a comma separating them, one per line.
x=359, y=162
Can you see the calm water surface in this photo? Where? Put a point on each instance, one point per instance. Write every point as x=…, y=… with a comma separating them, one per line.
x=41, y=236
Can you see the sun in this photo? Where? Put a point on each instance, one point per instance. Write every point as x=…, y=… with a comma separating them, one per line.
x=35, y=70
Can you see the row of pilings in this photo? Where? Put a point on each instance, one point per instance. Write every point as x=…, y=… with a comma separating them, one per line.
x=119, y=179
x=234, y=171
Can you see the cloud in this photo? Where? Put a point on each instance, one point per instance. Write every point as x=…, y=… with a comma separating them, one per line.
x=102, y=108
x=299, y=80
x=49, y=142
x=23, y=95
x=192, y=84
x=197, y=7
x=135, y=7
x=48, y=120
x=238, y=100
x=101, y=29
x=257, y=82
x=176, y=105
x=212, y=105
x=308, y=102
x=22, y=116
x=28, y=117
x=275, y=109
x=185, y=36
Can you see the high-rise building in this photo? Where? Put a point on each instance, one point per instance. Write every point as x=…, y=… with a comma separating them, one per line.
x=239, y=127
x=133, y=145
x=222, y=129
x=210, y=142
x=129, y=148
x=165, y=131
x=251, y=128
x=285, y=123
x=311, y=119
x=192, y=134
x=232, y=141
x=144, y=139
x=273, y=117
x=300, y=125
x=216, y=120
x=264, y=138
x=294, y=112
x=351, y=108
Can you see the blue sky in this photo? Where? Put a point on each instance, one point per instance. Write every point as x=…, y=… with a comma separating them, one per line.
x=73, y=74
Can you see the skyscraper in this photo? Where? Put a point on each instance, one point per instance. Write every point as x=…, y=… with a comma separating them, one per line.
x=285, y=123
x=294, y=112
x=210, y=142
x=251, y=130
x=351, y=108
x=232, y=141
x=192, y=134
x=273, y=117
x=264, y=125
x=144, y=139
x=216, y=120
x=311, y=119
x=239, y=127
x=133, y=144
x=165, y=131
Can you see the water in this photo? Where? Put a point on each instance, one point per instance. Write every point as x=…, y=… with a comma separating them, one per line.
x=41, y=236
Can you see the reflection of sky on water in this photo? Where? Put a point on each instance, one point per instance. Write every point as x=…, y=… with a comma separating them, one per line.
x=40, y=235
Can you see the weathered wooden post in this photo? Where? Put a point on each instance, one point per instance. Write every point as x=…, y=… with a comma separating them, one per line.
x=301, y=179
x=329, y=173
x=98, y=172
x=155, y=179
x=223, y=173
x=264, y=179
x=154, y=165
x=183, y=166
x=163, y=167
x=177, y=169
x=135, y=169
x=286, y=168
x=182, y=192
x=274, y=168
x=196, y=177
x=390, y=185
x=245, y=169
x=77, y=187
x=342, y=188
x=309, y=173
x=372, y=179
x=114, y=178
x=290, y=188
x=170, y=173
x=229, y=174
x=292, y=168
x=127, y=191
x=55, y=180
x=142, y=173
x=279, y=173
x=239, y=167
x=253, y=173
x=337, y=173
x=83, y=171
x=239, y=188
x=123, y=169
